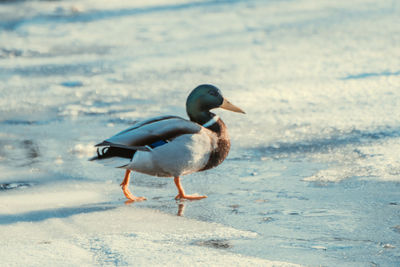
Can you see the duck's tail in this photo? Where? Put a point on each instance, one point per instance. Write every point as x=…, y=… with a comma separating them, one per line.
x=116, y=155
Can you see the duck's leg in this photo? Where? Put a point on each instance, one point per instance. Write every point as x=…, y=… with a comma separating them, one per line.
x=127, y=193
x=181, y=193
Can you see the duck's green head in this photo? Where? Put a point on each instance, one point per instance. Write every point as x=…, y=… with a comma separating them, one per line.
x=204, y=98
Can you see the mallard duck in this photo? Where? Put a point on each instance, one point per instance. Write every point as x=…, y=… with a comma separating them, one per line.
x=170, y=146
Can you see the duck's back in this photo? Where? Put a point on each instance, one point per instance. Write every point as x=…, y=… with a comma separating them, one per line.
x=145, y=133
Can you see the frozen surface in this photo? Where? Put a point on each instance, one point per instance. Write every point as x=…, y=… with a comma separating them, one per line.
x=66, y=232
x=313, y=176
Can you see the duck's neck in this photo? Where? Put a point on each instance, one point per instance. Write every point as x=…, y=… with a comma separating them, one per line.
x=211, y=122
x=201, y=117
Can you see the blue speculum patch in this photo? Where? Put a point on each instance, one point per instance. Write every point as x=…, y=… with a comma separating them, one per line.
x=158, y=143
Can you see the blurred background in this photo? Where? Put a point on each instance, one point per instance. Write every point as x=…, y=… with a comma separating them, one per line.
x=314, y=168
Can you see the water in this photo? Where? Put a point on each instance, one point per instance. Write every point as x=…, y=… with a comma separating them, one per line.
x=314, y=169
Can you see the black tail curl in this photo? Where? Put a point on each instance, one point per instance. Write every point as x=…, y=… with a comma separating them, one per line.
x=110, y=151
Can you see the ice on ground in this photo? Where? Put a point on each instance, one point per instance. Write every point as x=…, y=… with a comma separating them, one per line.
x=55, y=228
x=313, y=169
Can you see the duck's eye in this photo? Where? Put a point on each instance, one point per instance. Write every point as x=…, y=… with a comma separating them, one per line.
x=213, y=93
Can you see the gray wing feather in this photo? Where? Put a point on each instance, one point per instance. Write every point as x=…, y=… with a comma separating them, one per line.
x=146, y=132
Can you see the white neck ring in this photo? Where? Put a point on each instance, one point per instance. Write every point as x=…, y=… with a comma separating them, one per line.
x=211, y=122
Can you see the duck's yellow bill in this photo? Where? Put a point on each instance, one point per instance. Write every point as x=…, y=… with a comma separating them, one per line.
x=229, y=106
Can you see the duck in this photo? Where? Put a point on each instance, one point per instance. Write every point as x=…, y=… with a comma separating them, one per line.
x=171, y=146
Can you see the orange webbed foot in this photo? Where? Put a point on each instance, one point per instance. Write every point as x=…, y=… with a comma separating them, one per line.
x=131, y=198
x=181, y=192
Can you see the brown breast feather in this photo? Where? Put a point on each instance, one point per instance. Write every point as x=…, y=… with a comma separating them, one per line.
x=221, y=151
